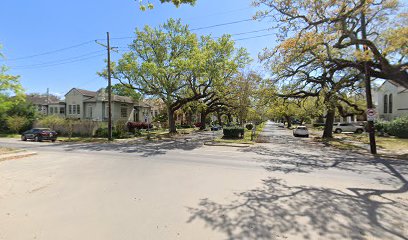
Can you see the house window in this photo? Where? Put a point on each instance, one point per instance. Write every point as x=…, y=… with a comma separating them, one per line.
x=390, y=103
x=74, y=111
x=78, y=110
x=62, y=110
x=70, y=109
x=385, y=103
x=155, y=113
x=52, y=110
x=123, y=111
x=90, y=112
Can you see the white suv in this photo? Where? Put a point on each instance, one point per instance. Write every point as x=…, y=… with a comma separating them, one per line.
x=347, y=127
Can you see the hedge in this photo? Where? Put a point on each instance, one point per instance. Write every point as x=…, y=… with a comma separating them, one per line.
x=132, y=126
x=233, y=132
x=398, y=127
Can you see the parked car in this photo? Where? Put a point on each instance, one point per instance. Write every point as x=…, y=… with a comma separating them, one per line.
x=281, y=125
x=216, y=127
x=347, y=127
x=301, y=131
x=39, y=134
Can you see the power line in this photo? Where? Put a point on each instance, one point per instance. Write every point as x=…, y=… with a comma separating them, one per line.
x=222, y=24
x=50, y=52
x=57, y=61
x=118, y=38
x=201, y=28
x=63, y=63
x=259, y=36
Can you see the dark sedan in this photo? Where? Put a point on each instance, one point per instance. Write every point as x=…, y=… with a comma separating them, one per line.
x=39, y=134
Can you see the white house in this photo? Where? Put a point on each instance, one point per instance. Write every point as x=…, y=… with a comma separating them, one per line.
x=84, y=104
x=392, y=101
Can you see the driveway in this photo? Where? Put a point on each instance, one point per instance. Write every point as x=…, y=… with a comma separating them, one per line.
x=288, y=188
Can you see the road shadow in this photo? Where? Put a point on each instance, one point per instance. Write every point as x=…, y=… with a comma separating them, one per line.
x=144, y=147
x=277, y=210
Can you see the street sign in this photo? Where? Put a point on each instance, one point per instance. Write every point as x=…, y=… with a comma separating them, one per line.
x=371, y=114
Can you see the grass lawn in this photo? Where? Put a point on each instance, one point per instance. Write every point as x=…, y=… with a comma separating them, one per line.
x=388, y=143
x=9, y=135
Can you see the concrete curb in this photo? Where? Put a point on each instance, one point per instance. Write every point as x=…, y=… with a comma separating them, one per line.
x=242, y=145
x=16, y=155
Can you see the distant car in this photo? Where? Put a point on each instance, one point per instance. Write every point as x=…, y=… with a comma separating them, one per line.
x=301, y=131
x=347, y=127
x=281, y=125
x=216, y=127
x=39, y=134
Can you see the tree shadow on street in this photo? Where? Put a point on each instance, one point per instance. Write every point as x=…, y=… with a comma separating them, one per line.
x=144, y=147
x=277, y=210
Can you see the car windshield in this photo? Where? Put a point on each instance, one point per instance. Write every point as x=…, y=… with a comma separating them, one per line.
x=41, y=129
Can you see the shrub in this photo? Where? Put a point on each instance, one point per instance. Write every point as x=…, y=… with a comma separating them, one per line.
x=101, y=133
x=233, y=132
x=381, y=126
x=249, y=126
x=133, y=126
x=16, y=123
x=398, y=127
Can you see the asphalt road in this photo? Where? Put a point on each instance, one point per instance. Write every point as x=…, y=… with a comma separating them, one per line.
x=288, y=188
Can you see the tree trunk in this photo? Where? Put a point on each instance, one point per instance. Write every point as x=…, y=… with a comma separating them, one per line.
x=229, y=118
x=328, y=126
x=202, y=120
x=288, y=121
x=219, y=118
x=172, y=122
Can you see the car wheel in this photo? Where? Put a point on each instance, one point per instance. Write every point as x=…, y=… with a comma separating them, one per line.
x=23, y=138
x=359, y=131
x=338, y=130
x=37, y=139
x=53, y=140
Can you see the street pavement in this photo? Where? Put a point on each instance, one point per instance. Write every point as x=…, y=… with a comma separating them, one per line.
x=287, y=188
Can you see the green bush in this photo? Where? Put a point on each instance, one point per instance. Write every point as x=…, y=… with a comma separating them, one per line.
x=381, y=126
x=249, y=126
x=101, y=133
x=398, y=127
x=16, y=123
x=233, y=132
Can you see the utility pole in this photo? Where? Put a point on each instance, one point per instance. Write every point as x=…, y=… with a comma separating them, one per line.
x=367, y=80
x=48, y=101
x=108, y=47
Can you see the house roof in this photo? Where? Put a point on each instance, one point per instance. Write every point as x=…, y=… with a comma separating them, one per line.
x=86, y=92
x=42, y=100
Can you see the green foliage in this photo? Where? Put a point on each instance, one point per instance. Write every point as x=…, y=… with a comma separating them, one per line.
x=381, y=126
x=51, y=121
x=398, y=127
x=11, y=91
x=16, y=123
x=233, y=132
x=126, y=90
x=171, y=63
x=20, y=109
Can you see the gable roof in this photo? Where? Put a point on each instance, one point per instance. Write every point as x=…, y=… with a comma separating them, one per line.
x=41, y=100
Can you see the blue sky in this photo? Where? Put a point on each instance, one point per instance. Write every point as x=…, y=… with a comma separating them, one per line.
x=31, y=28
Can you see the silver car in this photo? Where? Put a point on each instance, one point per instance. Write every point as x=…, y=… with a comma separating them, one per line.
x=347, y=127
x=301, y=131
